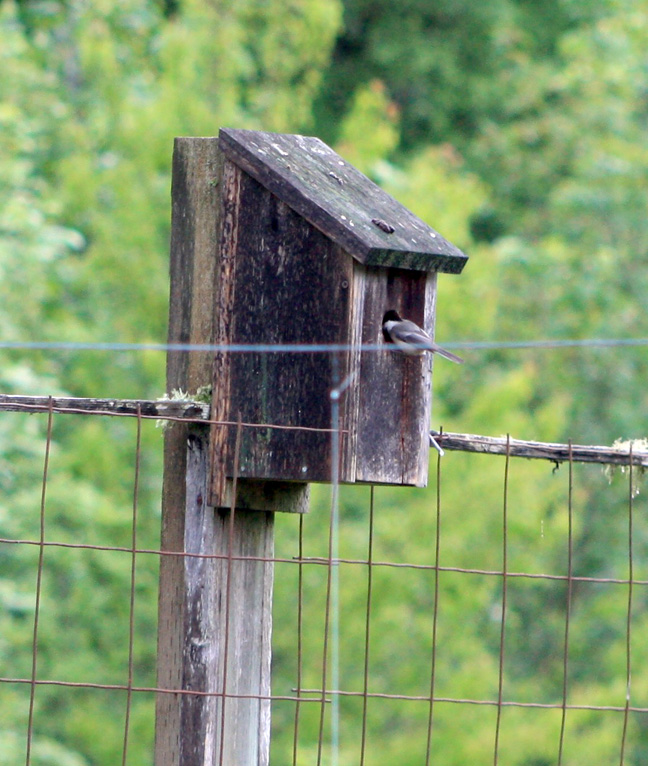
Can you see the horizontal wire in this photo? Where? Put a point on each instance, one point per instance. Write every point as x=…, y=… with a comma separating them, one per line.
x=303, y=348
x=235, y=348
x=549, y=343
x=317, y=696
x=11, y=403
x=466, y=701
x=154, y=689
x=322, y=561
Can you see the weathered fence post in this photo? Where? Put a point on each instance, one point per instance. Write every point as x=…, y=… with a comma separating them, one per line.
x=195, y=227
x=201, y=610
x=275, y=241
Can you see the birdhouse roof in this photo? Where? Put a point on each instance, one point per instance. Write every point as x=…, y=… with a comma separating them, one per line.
x=341, y=201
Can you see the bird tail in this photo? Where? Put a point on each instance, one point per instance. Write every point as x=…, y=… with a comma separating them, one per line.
x=448, y=355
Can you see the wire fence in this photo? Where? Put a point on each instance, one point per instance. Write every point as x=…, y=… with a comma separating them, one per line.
x=495, y=618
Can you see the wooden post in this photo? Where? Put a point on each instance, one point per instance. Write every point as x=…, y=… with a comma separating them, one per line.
x=213, y=629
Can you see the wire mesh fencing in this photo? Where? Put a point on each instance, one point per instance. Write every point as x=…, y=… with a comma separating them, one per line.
x=495, y=617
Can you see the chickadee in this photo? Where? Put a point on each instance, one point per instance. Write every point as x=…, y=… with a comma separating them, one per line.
x=410, y=338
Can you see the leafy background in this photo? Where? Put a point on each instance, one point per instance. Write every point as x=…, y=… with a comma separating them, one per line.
x=517, y=129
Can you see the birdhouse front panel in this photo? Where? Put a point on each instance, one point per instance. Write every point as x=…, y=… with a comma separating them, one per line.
x=392, y=443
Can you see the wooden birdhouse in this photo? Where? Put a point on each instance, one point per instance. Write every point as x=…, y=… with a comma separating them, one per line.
x=313, y=253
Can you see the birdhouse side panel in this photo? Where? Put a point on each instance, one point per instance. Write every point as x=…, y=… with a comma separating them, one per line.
x=394, y=401
x=282, y=282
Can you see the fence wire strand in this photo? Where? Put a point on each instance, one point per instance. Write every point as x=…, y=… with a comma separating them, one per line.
x=228, y=590
x=626, y=712
x=568, y=605
x=324, y=694
x=131, y=615
x=435, y=611
x=323, y=561
x=500, y=683
x=300, y=623
x=39, y=581
x=365, y=683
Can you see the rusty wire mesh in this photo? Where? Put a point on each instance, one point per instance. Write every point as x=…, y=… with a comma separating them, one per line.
x=396, y=617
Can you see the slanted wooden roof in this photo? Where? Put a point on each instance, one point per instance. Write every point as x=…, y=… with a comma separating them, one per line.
x=341, y=201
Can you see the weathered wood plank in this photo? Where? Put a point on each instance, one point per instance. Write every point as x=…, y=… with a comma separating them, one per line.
x=246, y=616
x=222, y=437
x=195, y=233
x=221, y=612
x=195, y=236
x=252, y=495
x=349, y=410
x=282, y=282
x=341, y=201
x=395, y=388
x=197, y=738
x=555, y=452
x=427, y=387
x=162, y=409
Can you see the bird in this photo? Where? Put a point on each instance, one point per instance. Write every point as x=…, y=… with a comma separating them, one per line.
x=411, y=339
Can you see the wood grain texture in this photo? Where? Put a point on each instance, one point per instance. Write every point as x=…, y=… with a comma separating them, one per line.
x=197, y=735
x=240, y=610
x=427, y=381
x=340, y=201
x=302, y=230
x=554, y=452
x=253, y=495
x=195, y=236
x=246, y=731
x=282, y=281
x=195, y=233
x=165, y=408
x=226, y=257
x=394, y=404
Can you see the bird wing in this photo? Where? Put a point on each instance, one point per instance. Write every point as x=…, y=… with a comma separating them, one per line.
x=408, y=332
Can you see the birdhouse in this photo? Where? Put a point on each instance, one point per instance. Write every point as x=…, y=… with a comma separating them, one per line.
x=312, y=254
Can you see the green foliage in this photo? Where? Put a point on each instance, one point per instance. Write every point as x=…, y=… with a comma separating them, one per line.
x=370, y=130
x=517, y=130
x=446, y=63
